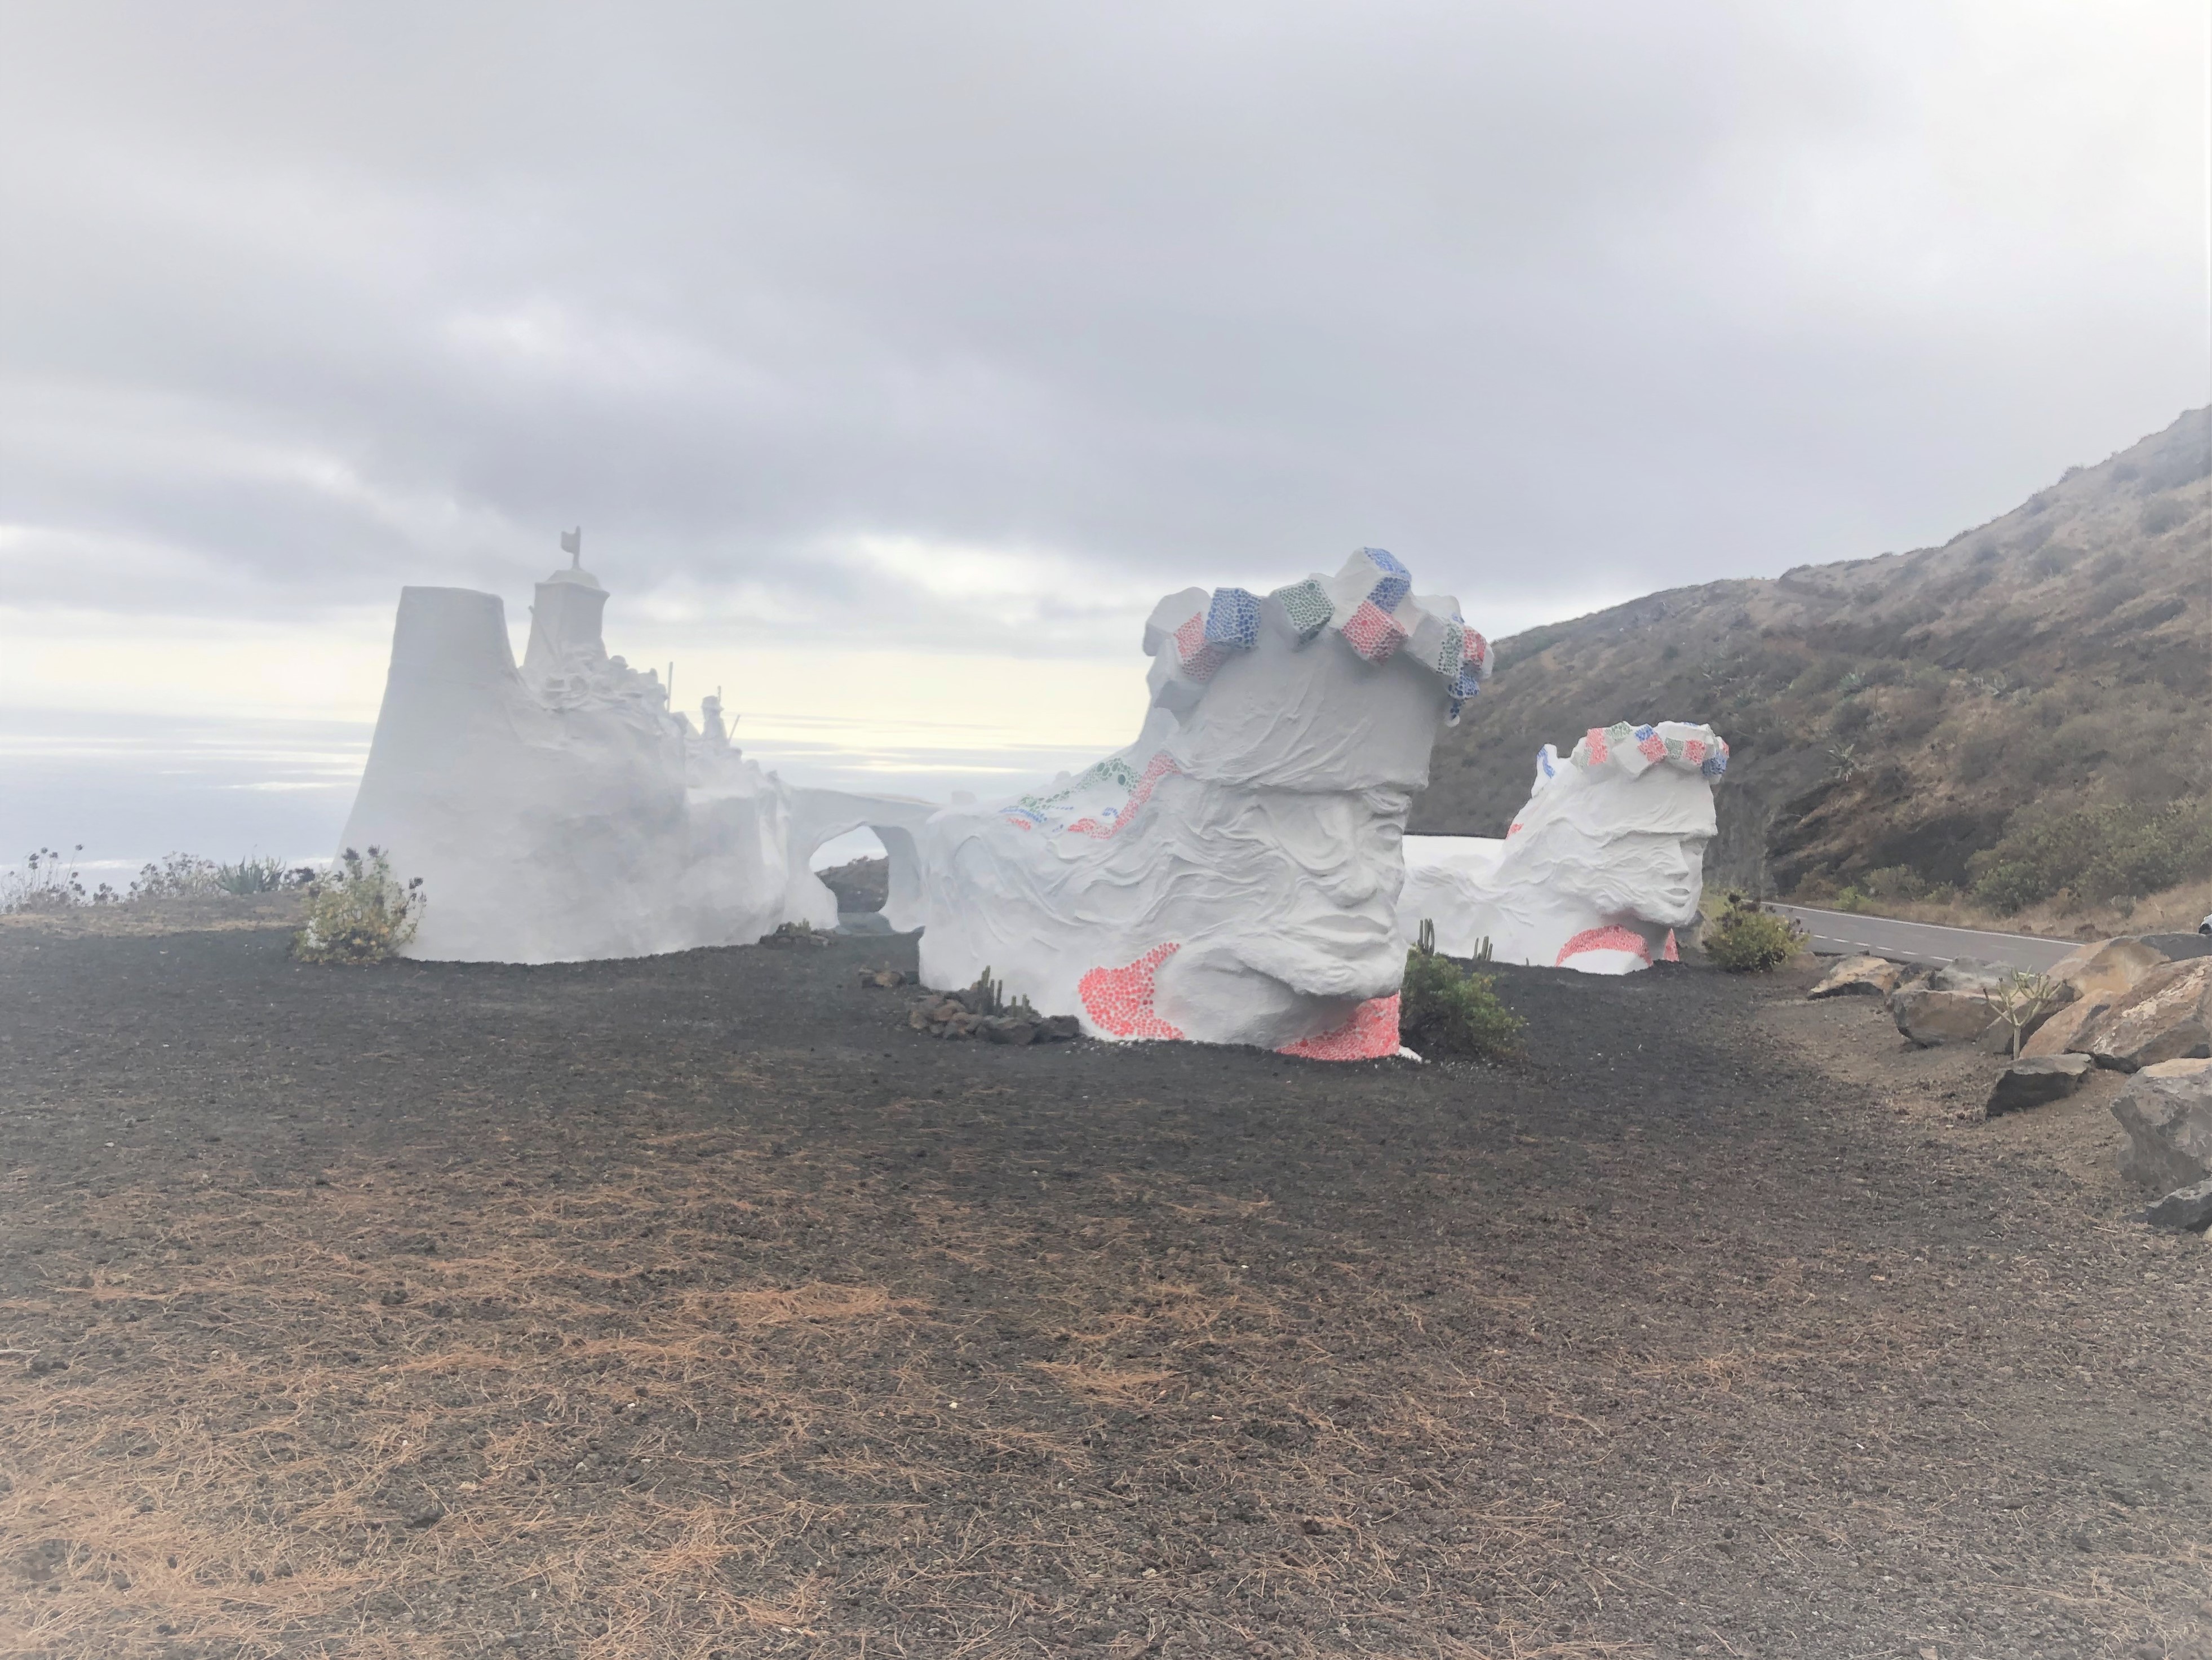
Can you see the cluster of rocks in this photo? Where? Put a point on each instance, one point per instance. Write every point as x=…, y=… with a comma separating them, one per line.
x=2141, y=1006
x=978, y=1012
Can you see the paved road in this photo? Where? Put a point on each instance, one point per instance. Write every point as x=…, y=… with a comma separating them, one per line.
x=1922, y=942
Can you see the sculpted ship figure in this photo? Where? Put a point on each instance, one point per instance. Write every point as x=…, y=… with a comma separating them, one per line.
x=1232, y=876
x=1599, y=869
x=562, y=812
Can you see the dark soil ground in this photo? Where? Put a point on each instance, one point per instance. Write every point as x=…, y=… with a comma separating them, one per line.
x=696, y=1306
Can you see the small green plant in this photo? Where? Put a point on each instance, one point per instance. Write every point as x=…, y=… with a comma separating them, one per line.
x=359, y=912
x=1443, y=1009
x=261, y=874
x=1747, y=938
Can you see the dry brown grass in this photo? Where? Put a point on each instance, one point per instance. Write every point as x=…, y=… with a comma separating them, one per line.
x=585, y=1426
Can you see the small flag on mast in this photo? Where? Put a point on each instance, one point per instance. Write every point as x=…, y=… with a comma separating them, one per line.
x=572, y=543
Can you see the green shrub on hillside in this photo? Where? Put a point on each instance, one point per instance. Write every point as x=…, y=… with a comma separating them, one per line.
x=1746, y=938
x=360, y=912
x=2096, y=854
x=1443, y=1009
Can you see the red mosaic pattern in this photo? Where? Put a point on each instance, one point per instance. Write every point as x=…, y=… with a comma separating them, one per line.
x=1514, y=828
x=1371, y=1034
x=1670, y=952
x=1693, y=751
x=1200, y=657
x=1597, y=752
x=1373, y=632
x=1611, y=938
x=1475, y=649
x=1158, y=767
x=1653, y=747
x=1120, y=1001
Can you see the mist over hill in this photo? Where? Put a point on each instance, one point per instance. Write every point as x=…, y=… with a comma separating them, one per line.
x=2020, y=712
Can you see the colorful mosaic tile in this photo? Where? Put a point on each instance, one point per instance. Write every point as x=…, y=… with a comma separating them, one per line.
x=1159, y=767
x=1233, y=619
x=1373, y=632
x=1200, y=659
x=1306, y=606
x=1120, y=1001
x=1371, y=1034
x=1393, y=581
x=1607, y=939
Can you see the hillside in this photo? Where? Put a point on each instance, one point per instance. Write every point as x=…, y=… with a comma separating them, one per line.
x=2016, y=720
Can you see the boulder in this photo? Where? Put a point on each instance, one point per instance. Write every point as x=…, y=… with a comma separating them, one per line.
x=2038, y=1082
x=2167, y=1111
x=1969, y=974
x=1933, y=1018
x=2166, y=1016
x=2102, y=970
x=2188, y=1209
x=2178, y=946
x=1859, y=976
x=2056, y=1034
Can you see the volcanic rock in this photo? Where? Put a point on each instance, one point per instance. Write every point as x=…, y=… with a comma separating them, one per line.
x=2167, y=1111
x=2166, y=1016
x=1969, y=974
x=2037, y=1083
x=2102, y=970
x=2185, y=1209
x=1859, y=976
x=2056, y=1034
x=1931, y=1018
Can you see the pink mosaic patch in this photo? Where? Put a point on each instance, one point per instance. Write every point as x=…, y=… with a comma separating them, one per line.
x=1158, y=767
x=1598, y=753
x=1200, y=657
x=1611, y=938
x=1371, y=1034
x=1693, y=751
x=1373, y=632
x=1671, y=952
x=1514, y=828
x=1653, y=747
x=1120, y=1001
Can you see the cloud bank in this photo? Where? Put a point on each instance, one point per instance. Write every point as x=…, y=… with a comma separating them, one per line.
x=969, y=329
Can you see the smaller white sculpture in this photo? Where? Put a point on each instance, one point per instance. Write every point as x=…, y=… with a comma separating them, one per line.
x=1599, y=869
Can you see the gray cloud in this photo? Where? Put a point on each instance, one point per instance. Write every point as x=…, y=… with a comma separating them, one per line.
x=1562, y=301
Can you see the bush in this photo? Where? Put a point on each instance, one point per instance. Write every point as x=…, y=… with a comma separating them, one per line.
x=2098, y=855
x=360, y=912
x=1443, y=1009
x=46, y=883
x=1746, y=938
x=178, y=875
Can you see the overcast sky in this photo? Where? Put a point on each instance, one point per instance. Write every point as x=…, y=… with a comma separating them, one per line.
x=960, y=332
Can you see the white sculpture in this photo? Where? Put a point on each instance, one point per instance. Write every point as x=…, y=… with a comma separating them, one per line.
x=560, y=813
x=1232, y=876
x=1599, y=869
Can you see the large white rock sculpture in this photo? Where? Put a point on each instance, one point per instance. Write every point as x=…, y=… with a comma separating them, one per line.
x=1602, y=864
x=1232, y=876
x=562, y=812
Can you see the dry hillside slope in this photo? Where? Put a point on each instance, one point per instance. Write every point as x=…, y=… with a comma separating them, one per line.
x=2018, y=717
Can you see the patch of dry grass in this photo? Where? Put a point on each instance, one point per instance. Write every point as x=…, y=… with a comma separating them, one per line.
x=392, y=1416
